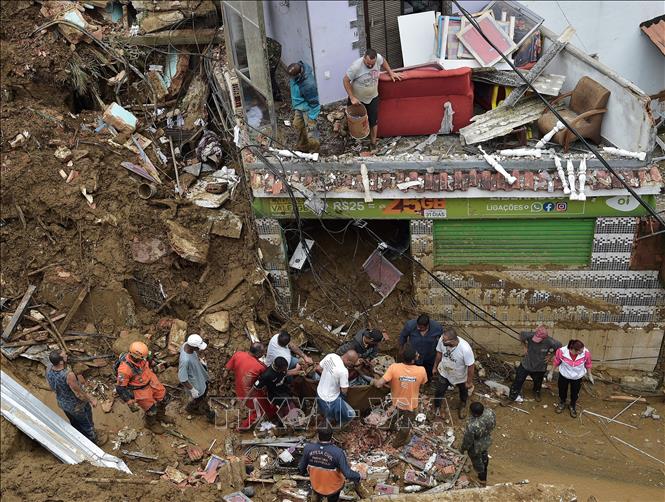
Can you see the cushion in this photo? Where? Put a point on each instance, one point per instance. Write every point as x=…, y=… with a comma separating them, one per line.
x=413, y=106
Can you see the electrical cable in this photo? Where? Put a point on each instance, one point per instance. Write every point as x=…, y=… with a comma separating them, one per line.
x=592, y=149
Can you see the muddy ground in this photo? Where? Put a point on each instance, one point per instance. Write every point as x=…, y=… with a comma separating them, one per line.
x=50, y=237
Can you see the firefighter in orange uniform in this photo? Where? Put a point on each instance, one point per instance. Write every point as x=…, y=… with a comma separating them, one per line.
x=139, y=387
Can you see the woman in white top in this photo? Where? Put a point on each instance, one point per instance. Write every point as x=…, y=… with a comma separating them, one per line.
x=573, y=361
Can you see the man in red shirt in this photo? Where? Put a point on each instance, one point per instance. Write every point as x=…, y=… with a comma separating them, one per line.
x=246, y=368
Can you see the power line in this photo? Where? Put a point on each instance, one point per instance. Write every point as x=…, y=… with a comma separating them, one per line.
x=592, y=149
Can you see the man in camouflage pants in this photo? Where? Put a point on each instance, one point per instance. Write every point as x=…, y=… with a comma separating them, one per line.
x=478, y=438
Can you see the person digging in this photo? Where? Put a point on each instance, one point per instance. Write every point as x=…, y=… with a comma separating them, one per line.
x=139, y=387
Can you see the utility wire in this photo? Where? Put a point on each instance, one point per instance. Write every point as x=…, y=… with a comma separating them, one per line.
x=592, y=149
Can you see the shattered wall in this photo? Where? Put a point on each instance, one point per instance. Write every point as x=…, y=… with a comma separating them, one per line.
x=617, y=312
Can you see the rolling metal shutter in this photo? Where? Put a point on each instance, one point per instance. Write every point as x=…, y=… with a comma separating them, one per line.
x=383, y=33
x=513, y=242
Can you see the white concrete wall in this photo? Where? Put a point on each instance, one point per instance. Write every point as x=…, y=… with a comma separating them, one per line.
x=289, y=26
x=611, y=30
x=332, y=45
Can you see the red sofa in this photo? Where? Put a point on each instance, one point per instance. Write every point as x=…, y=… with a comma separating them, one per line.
x=413, y=106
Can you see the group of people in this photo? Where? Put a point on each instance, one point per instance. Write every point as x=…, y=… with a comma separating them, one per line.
x=361, y=83
x=136, y=384
x=264, y=378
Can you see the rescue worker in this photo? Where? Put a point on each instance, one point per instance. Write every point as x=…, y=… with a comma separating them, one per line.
x=361, y=83
x=539, y=348
x=405, y=380
x=246, y=368
x=139, y=387
x=306, y=106
x=327, y=467
x=478, y=438
x=193, y=376
x=366, y=344
x=72, y=398
x=273, y=381
x=455, y=366
x=333, y=387
x=423, y=334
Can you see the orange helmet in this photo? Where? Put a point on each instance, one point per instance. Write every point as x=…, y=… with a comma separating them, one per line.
x=138, y=350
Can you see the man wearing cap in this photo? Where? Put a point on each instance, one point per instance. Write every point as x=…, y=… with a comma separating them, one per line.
x=193, y=375
x=366, y=344
x=538, y=350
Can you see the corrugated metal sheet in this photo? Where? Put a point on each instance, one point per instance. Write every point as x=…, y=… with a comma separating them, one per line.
x=514, y=242
x=655, y=30
x=42, y=424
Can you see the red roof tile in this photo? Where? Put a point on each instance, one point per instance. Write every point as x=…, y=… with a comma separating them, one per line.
x=458, y=180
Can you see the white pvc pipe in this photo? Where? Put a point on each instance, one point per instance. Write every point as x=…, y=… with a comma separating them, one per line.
x=571, y=179
x=302, y=155
x=498, y=167
x=625, y=153
x=562, y=174
x=582, y=179
x=521, y=152
x=558, y=127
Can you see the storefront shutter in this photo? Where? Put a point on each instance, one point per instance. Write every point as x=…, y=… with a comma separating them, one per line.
x=513, y=242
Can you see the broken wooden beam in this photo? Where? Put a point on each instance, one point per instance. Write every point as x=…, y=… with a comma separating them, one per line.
x=557, y=46
x=18, y=313
x=73, y=309
x=176, y=37
x=627, y=398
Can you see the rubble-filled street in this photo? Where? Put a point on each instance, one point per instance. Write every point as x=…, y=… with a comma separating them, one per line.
x=218, y=283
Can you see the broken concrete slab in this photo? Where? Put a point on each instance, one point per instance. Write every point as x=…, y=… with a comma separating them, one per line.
x=177, y=336
x=149, y=22
x=158, y=85
x=194, y=102
x=646, y=383
x=122, y=120
x=186, y=244
x=226, y=224
x=218, y=320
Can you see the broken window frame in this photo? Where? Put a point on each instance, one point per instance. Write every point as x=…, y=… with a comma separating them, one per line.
x=241, y=9
x=517, y=10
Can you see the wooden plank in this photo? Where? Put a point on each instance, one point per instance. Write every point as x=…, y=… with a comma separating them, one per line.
x=18, y=313
x=176, y=38
x=73, y=309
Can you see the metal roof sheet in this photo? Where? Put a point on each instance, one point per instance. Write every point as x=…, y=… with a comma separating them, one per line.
x=41, y=423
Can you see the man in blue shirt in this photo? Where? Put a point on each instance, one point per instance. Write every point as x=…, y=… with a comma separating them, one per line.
x=423, y=334
x=306, y=106
x=327, y=467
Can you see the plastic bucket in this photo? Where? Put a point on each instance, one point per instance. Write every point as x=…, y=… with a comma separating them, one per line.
x=356, y=118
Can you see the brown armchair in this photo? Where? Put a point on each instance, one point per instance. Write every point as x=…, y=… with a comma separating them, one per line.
x=584, y=113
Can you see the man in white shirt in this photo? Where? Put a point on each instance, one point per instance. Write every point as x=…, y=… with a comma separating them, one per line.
x=280, y=346
x=454, y=362
x=334, y=385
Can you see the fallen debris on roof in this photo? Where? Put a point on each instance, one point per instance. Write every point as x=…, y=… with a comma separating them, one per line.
x=502, y=120
x=42, y=424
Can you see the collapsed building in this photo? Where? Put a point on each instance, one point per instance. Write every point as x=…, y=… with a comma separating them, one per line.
x=538, y=235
